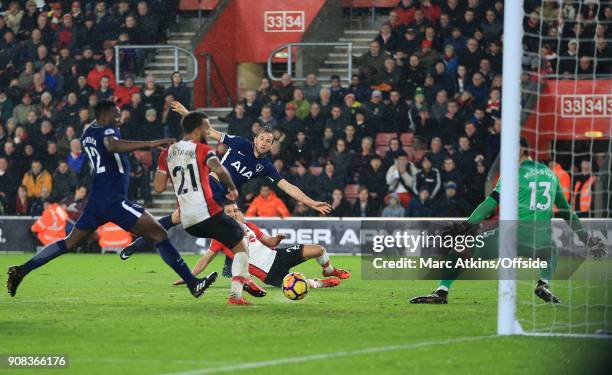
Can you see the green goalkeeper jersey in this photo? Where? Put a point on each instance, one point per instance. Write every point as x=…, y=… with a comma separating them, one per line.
x=538, y=193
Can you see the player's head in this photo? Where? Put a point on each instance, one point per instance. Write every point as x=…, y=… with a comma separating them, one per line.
x=107, y=113
x=231, y=209
x=195, y=126
x=263, y=140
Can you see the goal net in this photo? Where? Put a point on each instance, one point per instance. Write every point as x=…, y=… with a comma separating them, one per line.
x=566, y=115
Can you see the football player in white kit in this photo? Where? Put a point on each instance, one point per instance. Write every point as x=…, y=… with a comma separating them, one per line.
x=268, y=263
x=187, y=164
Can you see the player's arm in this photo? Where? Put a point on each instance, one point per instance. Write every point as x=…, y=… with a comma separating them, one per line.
x=181, y=110
x=160, y=181
x=272, y=242
x=480, y=213
x=297, y=194
x=201, y=265
x=116, y=145
x=215, y=166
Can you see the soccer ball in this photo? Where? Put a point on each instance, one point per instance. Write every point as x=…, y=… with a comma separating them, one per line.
x=295, y=286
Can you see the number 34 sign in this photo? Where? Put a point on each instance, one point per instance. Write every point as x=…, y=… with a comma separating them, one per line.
x=284, y=21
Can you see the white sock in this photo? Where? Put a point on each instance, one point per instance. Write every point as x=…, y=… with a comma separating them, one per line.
x=240, y=273
x=323, y=260
x=442, y=287
x=315, y=283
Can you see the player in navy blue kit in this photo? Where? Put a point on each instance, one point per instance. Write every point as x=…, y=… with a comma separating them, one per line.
x=244, y=161
x=108, y=202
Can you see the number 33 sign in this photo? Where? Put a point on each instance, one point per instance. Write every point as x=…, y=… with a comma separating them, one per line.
x=284, y=21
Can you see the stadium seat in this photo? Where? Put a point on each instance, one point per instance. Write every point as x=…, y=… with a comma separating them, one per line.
x=351, y=192
x=145, y=157
x=409, y=150
x=315, y=171
x=382, y=150
x=406, y=139
x=382, y=139
x=419, y=153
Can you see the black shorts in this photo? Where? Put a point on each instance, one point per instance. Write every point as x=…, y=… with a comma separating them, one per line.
x=284, y=261
x=219, y=227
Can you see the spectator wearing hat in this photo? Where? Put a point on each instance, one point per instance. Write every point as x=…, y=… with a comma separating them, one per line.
x=349, y=108
x=291, y=124
x=421, y=205
x=394, y=207
x=376, y=110
x=408, y=43
x=452, y=204
x=428, y=56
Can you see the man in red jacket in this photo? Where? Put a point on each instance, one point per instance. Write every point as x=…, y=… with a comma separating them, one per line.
x=101, y=70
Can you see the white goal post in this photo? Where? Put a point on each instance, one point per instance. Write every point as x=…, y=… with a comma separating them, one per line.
x=585, y=298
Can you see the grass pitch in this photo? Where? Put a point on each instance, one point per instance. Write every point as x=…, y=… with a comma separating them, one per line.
x=114, y=317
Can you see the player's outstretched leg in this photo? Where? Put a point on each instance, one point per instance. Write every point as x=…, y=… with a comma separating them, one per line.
x=50, y=252
x=150, y=229
x=139, y=243
x=320, y=254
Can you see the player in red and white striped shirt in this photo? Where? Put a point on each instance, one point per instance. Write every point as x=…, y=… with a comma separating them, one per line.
x=268, y=263
x=187, y=164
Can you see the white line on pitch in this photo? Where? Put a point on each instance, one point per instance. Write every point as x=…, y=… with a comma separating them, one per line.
x=321, y=356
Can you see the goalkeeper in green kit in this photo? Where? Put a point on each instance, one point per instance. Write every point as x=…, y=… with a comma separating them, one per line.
x=538, y=193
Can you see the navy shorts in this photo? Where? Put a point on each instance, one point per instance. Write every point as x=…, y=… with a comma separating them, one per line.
x=219, y=191
x=121, y=212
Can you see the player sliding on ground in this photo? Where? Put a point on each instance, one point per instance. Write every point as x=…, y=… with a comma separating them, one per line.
x=108, y=202
x=187, y=163
x=268, y=264
x=244, y=161
x=538, y=193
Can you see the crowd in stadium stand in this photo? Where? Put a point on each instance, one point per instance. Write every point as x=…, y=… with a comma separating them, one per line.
x=414, y=134
x=417, y=129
